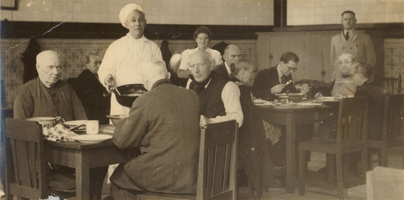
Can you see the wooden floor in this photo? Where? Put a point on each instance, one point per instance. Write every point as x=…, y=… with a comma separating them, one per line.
x=312, y=192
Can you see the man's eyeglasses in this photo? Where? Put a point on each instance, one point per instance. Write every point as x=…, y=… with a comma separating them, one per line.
x=291, y=69
x=345, y=62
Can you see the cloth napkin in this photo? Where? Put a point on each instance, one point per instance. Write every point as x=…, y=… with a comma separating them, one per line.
x=58, y=133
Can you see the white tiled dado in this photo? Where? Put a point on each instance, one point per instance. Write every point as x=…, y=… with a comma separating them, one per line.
x=208, y=12
x=302, y=12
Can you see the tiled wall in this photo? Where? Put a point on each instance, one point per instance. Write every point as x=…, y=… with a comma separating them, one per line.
x=320, y=12
x=207, y=12
x=73, y=53
x=394, y=59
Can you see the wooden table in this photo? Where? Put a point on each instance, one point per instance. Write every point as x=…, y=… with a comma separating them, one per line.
x=290, y=116
x=82, y=157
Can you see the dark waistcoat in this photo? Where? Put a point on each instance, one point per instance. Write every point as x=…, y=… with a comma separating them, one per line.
x=211, y=97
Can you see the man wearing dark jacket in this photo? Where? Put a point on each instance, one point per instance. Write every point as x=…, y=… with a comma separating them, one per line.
x=270, y=81
x=164, y=125
x=92, y=94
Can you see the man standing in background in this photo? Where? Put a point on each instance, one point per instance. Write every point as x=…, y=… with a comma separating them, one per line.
x=350, y=41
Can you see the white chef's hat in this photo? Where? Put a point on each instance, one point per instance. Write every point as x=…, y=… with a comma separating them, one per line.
x=123, y=15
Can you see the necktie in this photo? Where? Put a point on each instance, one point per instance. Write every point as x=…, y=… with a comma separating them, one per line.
x=347, y=36
x=232, y=67
x=283, y=80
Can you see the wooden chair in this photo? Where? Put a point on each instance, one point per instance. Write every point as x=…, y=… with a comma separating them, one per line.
x=393, y=85
x=25, y=160
x=393, y=129
x=351, y=137
x=217, y=172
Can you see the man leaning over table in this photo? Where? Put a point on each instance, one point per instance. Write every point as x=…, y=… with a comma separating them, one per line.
x=164, y=124
x=47, y=96
x=270, y=81
x=267, y=83
x=219, y=98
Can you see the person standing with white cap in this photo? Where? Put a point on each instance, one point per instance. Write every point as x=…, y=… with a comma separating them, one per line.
x=123, y=58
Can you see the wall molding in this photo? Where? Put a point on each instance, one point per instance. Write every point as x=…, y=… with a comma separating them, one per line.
x=73, y=30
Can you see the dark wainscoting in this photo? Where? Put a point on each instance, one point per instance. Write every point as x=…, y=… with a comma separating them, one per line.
x=72, y=30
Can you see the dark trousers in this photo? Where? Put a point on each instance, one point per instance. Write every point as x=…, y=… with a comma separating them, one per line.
x=278, y=151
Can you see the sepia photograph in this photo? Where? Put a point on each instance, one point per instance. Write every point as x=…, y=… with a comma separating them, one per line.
x=191, y=99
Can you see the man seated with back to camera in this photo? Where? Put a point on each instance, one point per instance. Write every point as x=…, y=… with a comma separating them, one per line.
x=269, y=82
x=163, y=124
x=47, y=96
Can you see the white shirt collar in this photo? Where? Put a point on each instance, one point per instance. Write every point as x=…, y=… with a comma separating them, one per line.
x=143, y=38
x=279, y=73
x=227, y=68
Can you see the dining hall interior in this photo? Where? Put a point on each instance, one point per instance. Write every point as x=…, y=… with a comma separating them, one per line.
x=262, y=30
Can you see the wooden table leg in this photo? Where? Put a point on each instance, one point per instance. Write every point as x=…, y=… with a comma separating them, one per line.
x=82, y=175
x=290, y=153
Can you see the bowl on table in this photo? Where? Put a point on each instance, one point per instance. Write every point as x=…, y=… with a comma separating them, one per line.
x=45, y=121
x=295, y=97
x=116, y=118
x=127, y=94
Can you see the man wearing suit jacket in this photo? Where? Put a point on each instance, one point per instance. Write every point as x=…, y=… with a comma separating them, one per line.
x=270, y=81
x=164, y=124
x=350, y=41
x=232, y=55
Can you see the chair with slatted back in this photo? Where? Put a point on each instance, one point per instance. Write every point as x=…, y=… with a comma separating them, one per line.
x=351, y=137
x=217, y=177
x=393, y=128
x=393, y=85
x=25, y=160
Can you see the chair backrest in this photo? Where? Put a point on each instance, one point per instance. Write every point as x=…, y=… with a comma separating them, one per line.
x=25, y=159
x=217, y=162
x=393, y=85
x=393, y=127
x=352, y=120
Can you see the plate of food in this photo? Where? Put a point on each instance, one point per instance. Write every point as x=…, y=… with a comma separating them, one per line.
x=295, y=97
x=75, y=122
x=91, y=139
x=260, y=101
x=329, y=99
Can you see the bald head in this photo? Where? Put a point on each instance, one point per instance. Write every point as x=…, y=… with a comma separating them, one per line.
x=48, y=66
x=153, y=71
x=200, y=65
x=232, y=54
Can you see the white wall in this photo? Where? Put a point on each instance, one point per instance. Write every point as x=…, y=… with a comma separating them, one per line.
x=196, y=12
x=317, y=12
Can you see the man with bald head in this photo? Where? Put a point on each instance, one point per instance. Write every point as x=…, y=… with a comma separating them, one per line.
x=219, y=98
x=232, y=55
x=46, y=95
x=163, y=124
x=122, y=60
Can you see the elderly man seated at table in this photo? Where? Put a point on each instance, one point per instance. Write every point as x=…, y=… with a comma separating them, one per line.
x=47, y=96
x=164, y=124
x=219, y=98
x=343, y=85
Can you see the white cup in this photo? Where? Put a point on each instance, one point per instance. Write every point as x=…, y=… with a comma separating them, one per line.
x=92, y=127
